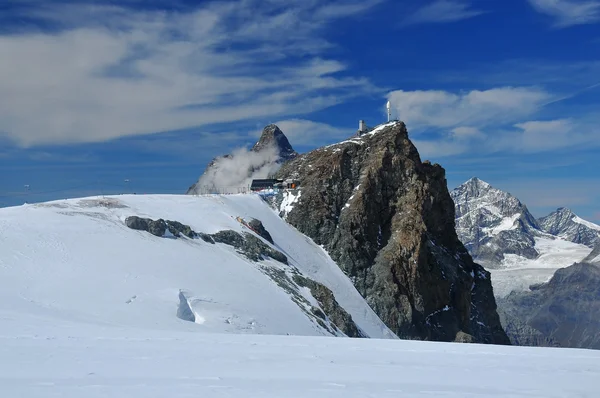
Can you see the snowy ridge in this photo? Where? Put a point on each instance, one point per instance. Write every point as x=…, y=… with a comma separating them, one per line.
x=359, y=139
x=567, y=225
x=76, y=261
x=588, y=224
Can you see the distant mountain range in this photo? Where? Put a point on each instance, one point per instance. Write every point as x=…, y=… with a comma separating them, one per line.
x=545, y=275
x=500, y=232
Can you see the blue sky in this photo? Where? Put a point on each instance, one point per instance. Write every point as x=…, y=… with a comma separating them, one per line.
x=137, y=96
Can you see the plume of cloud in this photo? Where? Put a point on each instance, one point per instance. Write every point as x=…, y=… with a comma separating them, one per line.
x=234, y=173
x=569, y=12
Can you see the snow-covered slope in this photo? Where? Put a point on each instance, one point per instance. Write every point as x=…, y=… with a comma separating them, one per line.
x=48, y=361
x=502, y=235
x=566, y=225
x=75, y=261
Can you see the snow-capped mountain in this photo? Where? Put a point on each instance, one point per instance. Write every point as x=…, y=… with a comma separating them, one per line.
x=173, y=263
x=566, y=225
x=492, y=223
x=503, y=235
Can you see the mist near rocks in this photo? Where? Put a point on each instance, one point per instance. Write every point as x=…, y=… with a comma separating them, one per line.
x=234, y=173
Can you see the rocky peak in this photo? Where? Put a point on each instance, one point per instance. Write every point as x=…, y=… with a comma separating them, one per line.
x=273, y=136
x=387, y=219
x=232, y=172
x=567, y=225
x=492, y=223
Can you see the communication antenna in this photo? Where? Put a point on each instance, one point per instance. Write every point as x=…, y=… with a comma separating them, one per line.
x=389, y=110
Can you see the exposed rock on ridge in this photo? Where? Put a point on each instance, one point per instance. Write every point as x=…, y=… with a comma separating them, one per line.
x=388, y=220
x=492, y=223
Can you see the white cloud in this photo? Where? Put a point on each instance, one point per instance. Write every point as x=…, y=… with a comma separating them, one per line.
x=442, y=109
x=111, y=72
x=440, y=148
x=466, y=132
x=441, y=11
x=569, y=12
x=544, y=135
x=503, y=119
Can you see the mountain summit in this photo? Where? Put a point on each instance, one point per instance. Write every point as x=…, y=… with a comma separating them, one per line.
x=233, y=173
x=492, y=223
x=272, y=136
x=387, y=220
x=565, y=224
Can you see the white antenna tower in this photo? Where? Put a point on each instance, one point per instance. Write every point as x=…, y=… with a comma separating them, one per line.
x=389, y=110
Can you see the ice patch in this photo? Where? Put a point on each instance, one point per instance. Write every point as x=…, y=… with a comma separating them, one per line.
x=289, y=199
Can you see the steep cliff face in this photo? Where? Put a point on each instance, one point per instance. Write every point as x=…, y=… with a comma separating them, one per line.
x=387, y=219
x=563, y=311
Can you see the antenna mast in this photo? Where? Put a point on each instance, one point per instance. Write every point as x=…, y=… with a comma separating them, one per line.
x=389, y=111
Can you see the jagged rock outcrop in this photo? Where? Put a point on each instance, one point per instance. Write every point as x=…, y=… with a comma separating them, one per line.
x=566, y=225
x=231, y=172
x=387, y=219
x=492, y=223
x=246, y=243
x=159, y=227
x=249, y=245
x=563, y=311
x=260, y=229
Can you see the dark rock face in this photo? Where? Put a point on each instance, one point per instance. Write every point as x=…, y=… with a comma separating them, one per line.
x=273, y=136
x=259, y=228
x=565, y=224
x=562, y=312
x=159, y=227
x=249, y=245
x=338, y=316
x=387, y=219
x=492, y=223
x=156, y=228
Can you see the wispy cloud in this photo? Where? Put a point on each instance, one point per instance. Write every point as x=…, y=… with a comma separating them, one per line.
x=569, y=12
x=107, y=71
x=441, y=11
x=443, y=109
x=505, y=119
